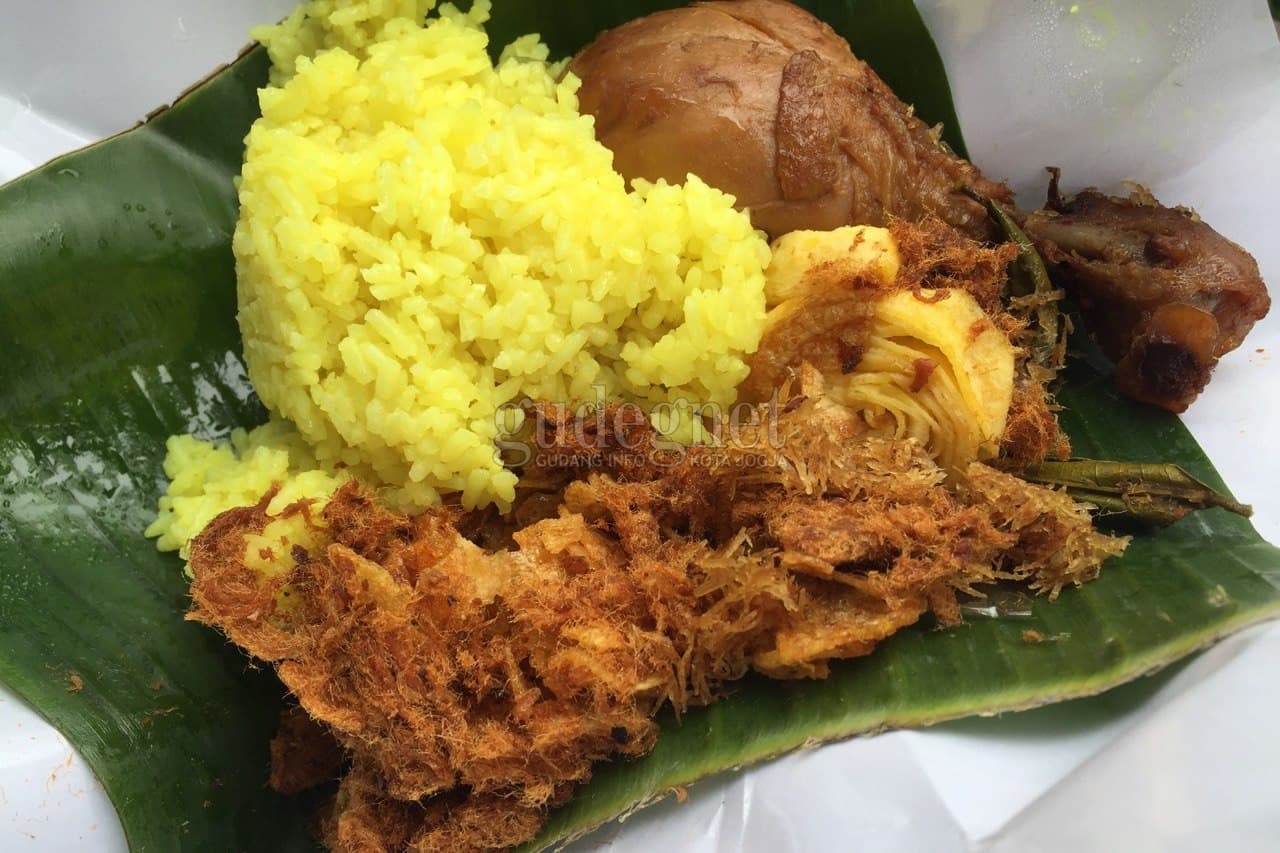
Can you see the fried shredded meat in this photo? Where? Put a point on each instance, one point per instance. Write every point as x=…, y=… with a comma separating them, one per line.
x=472, y=688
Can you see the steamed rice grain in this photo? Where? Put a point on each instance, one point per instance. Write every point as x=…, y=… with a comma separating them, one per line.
x=426, y=236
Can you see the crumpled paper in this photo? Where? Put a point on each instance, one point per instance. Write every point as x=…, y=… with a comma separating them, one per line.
x=1181, y=95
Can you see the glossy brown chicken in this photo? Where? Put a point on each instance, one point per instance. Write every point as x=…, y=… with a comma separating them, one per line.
x=1163, y=293
x=764, y=101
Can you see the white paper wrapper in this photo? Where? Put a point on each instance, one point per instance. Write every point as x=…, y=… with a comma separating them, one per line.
x=1182, y=95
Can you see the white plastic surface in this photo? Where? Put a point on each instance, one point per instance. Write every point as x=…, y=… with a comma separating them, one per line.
x=1183, y=95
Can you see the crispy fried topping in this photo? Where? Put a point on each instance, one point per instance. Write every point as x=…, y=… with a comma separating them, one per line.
x=472, y=689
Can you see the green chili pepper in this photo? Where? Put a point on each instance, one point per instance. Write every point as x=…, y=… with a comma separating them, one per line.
x=1155, y=494
x=1030, y=291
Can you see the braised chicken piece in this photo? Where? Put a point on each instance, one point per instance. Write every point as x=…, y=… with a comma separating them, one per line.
x=764, y=101
x=1164, y=294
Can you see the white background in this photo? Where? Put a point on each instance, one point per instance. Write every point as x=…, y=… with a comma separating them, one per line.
x=1183, y=96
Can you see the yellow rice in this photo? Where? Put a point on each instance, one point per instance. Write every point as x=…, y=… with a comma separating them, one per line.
x=426, y=235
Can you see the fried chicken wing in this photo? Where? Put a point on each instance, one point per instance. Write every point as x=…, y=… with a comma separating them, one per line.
x=1163, y=293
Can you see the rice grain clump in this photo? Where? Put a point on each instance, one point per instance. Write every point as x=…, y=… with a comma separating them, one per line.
x=426, y=235
x=208, y=478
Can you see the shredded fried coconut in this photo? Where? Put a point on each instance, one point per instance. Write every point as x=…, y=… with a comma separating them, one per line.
x=472, y=687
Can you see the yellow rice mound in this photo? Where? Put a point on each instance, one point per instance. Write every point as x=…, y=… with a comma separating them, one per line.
x=426, y=235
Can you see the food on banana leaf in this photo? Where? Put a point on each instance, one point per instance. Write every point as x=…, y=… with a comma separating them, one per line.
x=473, y=667
x=762, y=100
x=1164, y=294
x=438, y=270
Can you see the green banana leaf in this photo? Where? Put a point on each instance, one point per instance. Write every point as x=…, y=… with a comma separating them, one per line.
x=117, y=329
